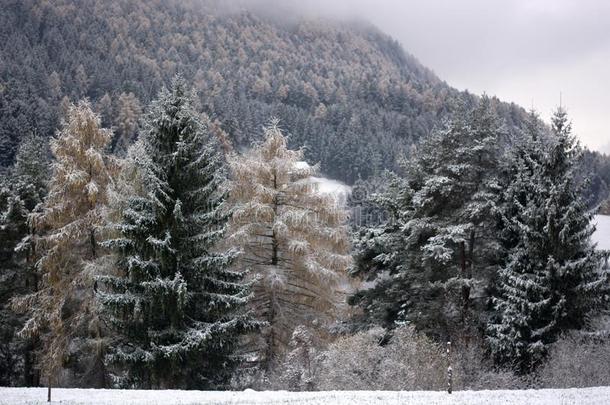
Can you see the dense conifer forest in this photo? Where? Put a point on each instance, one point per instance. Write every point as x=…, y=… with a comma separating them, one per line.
x=348, y=93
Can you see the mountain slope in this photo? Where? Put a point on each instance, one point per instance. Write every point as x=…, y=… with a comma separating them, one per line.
x=347, y=92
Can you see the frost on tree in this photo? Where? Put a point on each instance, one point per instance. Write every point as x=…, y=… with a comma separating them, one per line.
x=550, y=277
x=293, y=240
x=62, y=312
x=21, y=192
x=176, y=307
x=432, y=258
x=127, y=118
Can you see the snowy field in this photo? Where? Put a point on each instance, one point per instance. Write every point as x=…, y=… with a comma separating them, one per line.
x=602, y=233
x=15, y=396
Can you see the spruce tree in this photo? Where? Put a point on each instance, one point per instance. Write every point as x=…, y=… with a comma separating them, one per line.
x=549, y=277
x=579, y=283
x=176, y=306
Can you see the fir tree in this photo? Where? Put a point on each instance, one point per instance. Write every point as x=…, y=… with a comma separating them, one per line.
x=62, y=311
x=176, y=306
x=550, y=277
x=292, y=238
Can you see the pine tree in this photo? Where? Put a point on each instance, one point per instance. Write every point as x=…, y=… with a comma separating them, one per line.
x=62, y=311
x=292, y=238
x=549, y=278
x=176, y=306
x=436, y=247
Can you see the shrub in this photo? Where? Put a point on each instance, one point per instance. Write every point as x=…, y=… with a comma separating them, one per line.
x=380, y=360
x=577, y=361
x=473, y=371
x=408, y=361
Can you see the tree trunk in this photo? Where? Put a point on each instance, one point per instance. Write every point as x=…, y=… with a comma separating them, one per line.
x=271, y=339
x=28, y=372
x=93, y=243
x=274, y=262
x=449, y=370
x=466, y=264
x=464, y=275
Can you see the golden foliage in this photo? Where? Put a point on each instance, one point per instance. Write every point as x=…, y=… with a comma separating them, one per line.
x=293, y=239
x=67, y=226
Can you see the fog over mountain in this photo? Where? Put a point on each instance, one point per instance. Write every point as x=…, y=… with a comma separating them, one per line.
x=527, y=52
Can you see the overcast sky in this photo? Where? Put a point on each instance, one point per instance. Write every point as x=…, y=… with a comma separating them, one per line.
x=526, y=51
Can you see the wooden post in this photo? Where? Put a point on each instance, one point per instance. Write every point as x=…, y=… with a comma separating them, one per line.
x=449, y=369
x=49, y=391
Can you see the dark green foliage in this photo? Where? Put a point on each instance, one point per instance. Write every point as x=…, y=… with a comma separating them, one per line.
x=22, y=188
x=550, y=277
x=176, y=306
x=433, y=257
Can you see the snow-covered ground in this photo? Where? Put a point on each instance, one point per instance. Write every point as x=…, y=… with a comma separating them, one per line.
x=328, y=186
x=339, y=190
x=586, y=396
x=602, y=233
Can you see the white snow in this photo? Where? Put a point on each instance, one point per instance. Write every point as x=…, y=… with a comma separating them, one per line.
x=340, y=191
x=330, y=186
x=588, y=396
x=602, y=234
x=301, y=165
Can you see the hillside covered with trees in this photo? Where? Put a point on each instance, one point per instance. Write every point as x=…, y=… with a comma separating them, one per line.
x=347, y=92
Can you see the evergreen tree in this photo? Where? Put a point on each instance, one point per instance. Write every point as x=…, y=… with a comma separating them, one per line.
x=292, y=238
x=13, y=227
x=62, y=311
x=550, y=278
x=437, y=247
x=176, y=306
x=21, y=191
x=578, y=280
x=378, y=258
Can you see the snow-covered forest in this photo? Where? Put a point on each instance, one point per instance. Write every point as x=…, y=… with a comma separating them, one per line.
x=165, y=225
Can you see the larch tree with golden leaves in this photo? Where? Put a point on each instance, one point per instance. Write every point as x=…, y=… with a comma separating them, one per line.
x=292, y=239
x=62, y=311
